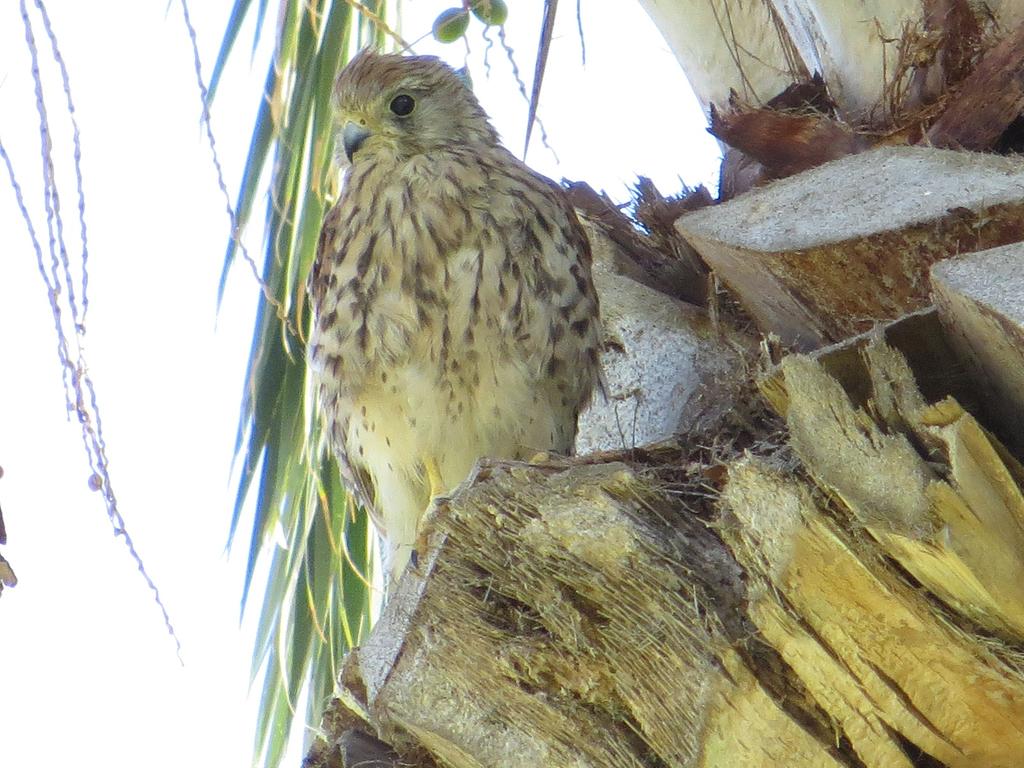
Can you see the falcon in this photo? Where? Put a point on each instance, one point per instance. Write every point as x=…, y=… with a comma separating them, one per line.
x=455, y=317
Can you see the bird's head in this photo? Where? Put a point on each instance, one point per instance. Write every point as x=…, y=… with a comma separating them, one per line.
x=393, y=107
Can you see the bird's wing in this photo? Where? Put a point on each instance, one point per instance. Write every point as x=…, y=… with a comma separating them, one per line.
x=548, y=309
x=354, y=476
x=558, y=244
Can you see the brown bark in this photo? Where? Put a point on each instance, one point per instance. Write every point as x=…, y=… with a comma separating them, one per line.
x=785, y=143
x=987, y=101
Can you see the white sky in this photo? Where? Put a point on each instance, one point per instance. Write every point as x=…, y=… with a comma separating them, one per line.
x=87, y=671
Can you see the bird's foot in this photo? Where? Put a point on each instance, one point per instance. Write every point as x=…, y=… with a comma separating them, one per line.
x=433, y=478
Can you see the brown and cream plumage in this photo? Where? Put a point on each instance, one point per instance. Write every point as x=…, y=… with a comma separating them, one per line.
x=455, y=316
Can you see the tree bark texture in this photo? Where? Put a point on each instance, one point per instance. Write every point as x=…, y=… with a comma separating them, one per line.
x=841, y=588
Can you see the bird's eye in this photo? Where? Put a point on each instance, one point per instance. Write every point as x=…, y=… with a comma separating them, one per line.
x=403, y=104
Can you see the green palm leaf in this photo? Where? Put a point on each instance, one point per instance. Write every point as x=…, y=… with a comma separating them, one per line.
x=316, y=602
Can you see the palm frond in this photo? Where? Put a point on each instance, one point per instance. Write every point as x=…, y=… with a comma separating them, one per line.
x=547, y=32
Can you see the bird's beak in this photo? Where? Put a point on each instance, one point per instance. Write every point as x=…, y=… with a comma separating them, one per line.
x=352, y=137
